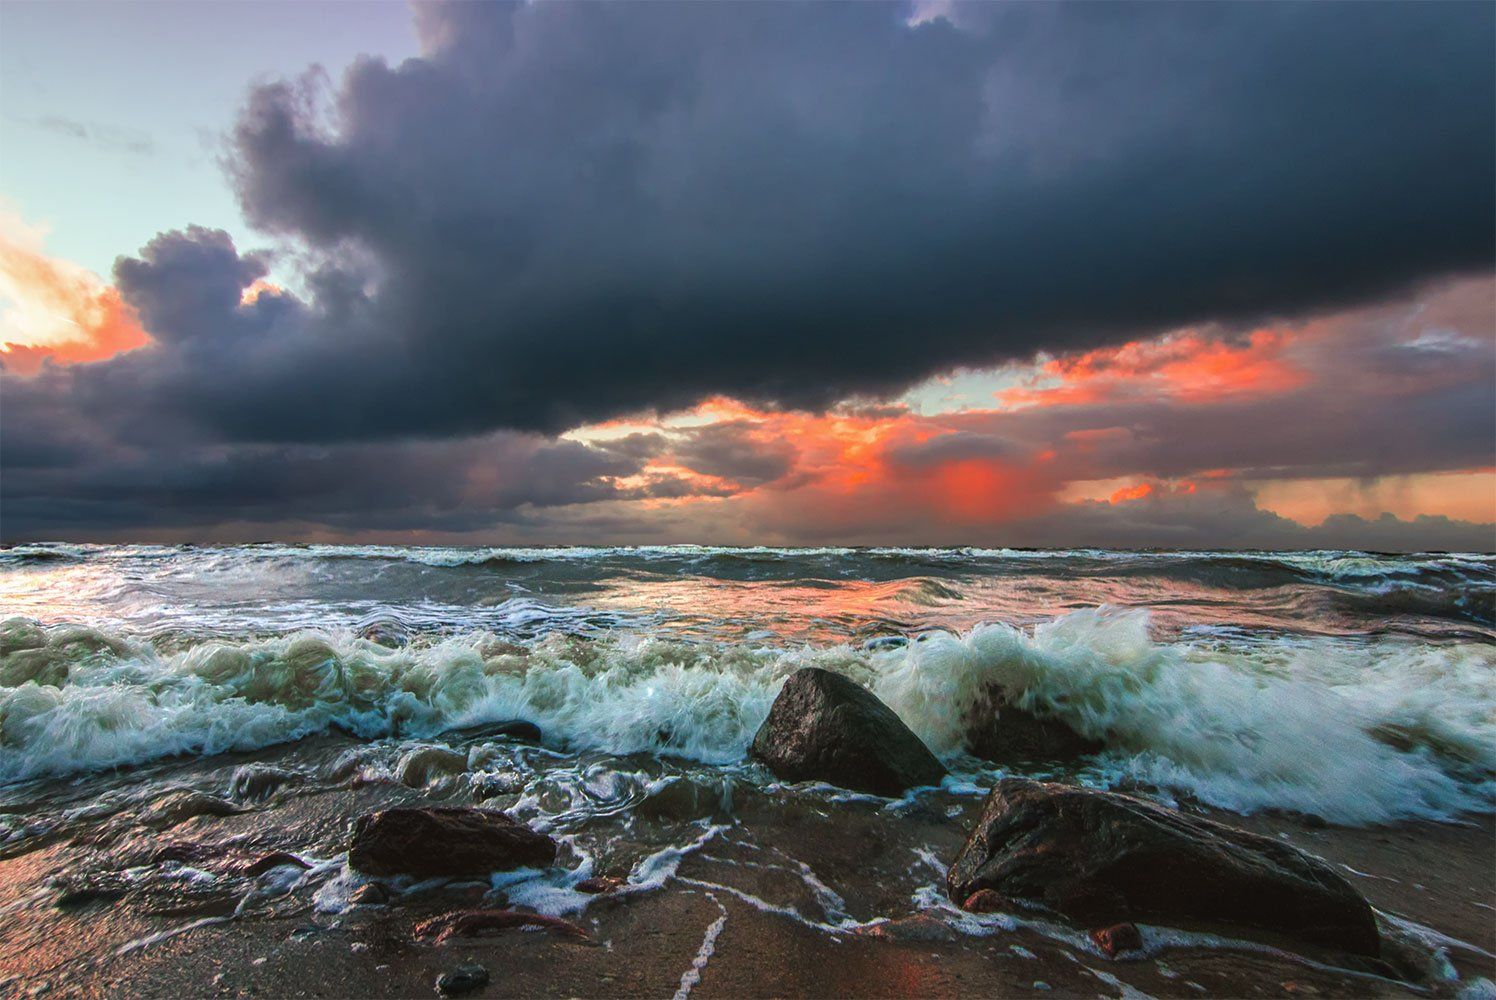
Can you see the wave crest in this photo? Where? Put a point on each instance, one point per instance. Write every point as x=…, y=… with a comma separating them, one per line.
x=1356, y=731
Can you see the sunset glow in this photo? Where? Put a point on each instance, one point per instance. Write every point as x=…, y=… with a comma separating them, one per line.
x=53, y=310
x=415, y=336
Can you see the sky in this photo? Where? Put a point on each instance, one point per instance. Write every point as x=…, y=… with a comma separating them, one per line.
x=1192, y=276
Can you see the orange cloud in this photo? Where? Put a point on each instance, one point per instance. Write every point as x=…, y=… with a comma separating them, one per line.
x=852, y=472
x=1126, y=493
x=1188, y=367
x=54, y=310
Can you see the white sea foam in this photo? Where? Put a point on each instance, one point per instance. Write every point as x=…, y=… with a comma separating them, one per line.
x=1357, y=731
x=692, y=976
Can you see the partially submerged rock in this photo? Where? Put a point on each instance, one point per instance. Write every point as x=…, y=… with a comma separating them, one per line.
x=682, y=799
x=1118, y=938
x=984, y=901
x=369, y=894
x=512, y=729
x=1099, y=859
x=276, y=859
x=1001, y=730
x=424, y=765
x=431, y=841
x=824, y=727
x=179, y=806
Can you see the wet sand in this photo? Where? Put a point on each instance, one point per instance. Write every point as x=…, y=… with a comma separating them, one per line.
x=152, y=911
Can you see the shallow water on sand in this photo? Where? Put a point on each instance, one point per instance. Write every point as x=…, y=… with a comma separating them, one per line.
x=296, y=686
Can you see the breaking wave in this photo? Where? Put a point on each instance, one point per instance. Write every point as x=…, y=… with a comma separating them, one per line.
x=1358, y=730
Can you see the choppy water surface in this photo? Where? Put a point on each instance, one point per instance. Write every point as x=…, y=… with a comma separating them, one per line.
x=1360, y=687
x=167, y=713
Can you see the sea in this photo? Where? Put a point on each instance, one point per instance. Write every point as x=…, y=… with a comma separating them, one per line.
x=188, y=735
x=1358, y=687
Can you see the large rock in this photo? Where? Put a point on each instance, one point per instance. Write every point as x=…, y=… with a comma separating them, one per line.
x=1099, y=858
x=1001, y=731
x=823, y=727
x=431, y=841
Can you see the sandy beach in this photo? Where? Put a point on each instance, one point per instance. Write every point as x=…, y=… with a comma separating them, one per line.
x=109, y=905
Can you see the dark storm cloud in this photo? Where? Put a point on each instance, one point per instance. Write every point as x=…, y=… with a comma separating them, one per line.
x=1396, y=389
x=733, y=450
x=956, y=446
x=567, y=212
x=459, y=485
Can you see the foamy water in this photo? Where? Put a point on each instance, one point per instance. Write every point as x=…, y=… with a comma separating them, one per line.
x=1358, y=687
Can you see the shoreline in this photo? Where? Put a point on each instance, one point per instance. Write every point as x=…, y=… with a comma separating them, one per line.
x=735, y=917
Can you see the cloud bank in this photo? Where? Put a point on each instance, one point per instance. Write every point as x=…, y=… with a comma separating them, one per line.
x=561, y=215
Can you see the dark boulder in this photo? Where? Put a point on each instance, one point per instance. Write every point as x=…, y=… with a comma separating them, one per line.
x=823, y=727
x=432, y=841
x=1000, y=731
x=1099, y=858
x=513, y=729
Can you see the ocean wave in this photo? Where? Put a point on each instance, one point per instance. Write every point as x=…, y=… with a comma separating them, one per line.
x=1357, y=731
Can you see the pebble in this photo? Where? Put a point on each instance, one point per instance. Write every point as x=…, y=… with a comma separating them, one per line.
x=463, y=979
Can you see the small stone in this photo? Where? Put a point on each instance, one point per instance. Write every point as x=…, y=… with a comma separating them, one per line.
x=74, y=897
x=599, y=884
x=983, y=901
x=370, y=894
x=1117, y=938
x=463, y=979
x=1297, y=989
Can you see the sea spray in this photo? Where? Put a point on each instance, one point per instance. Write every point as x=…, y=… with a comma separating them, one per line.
x=1356, y=731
